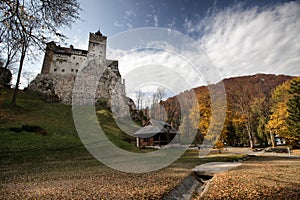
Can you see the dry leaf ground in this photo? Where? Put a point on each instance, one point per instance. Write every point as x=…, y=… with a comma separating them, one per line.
x=264, y=177
x=82, y=182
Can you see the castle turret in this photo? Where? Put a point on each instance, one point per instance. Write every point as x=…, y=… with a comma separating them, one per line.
x=48, y=59
x=97, y=45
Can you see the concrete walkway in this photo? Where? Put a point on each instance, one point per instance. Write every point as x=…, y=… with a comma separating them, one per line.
x=215, y=167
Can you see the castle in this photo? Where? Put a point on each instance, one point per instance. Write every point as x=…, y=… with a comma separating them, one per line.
x=61, y=64
x=64, y=60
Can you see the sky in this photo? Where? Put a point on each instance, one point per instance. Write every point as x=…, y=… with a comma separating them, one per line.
x=239, y=37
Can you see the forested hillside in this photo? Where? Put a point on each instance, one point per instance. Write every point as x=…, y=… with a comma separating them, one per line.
x=249, y=101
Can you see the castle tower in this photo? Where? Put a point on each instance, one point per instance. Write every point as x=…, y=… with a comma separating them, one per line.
x=97, y=45
x=48, y=59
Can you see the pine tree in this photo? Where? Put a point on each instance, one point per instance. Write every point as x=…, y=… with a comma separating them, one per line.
x=293, y=120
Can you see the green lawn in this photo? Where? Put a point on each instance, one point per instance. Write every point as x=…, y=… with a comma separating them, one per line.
x=61, y=141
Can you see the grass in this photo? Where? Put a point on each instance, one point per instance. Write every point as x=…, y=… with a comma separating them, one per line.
x=61, y=141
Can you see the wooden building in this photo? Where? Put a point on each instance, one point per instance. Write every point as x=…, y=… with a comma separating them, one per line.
x=155, y=133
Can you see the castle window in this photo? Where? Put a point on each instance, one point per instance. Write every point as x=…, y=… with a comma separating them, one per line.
x=76, y=70
x=63, y=70
x=55, y=70
x=73, y=57
x=72, y=70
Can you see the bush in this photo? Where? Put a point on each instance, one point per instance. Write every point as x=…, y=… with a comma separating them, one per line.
x=5, y=77
x=29, y=128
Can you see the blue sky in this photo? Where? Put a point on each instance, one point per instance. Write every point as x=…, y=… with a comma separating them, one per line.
x=114, y=16
x=240, y=37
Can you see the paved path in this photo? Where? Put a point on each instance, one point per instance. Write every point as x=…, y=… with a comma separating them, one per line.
x=215, y=167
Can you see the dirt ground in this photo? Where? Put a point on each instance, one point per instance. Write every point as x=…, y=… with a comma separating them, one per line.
x=95, y=182
x=262, y=177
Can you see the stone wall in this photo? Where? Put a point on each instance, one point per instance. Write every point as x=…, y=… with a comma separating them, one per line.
x=58, y=87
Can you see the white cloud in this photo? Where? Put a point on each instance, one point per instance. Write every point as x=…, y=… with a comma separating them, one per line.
x=129, y=25
x=80, y=43
x=188, y=25
x=129, y=13
x=118, y=24
x=239, y=42
x=150, y=68
x=254, y=40
x=172, y=24
x=155, y=19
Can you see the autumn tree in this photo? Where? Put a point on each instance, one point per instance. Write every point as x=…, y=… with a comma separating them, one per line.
x=230, y=131
x=172, y=109
x=241, y=99
x=200, y=114
x=186, y=130
x=277, y=124
x=31, y=23
x=260, y=109
x=293, y=108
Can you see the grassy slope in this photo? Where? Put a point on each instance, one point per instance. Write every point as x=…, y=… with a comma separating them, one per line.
x=61, y=141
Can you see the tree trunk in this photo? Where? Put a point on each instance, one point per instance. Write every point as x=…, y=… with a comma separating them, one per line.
x=14, y=98
x=248, y=127
x=272, y=139
x=6, y=63
x=266, y=140
x=251, y=143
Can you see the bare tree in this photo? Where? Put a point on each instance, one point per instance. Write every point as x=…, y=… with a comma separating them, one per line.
x=139, y=95
x=28, y=76
x=160, y=93
x=31, y=23
x=241, y=100
x=9, y=49
x=156, y=111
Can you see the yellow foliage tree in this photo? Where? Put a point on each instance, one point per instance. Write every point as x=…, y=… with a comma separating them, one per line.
x=277, y=124
x=201, y=113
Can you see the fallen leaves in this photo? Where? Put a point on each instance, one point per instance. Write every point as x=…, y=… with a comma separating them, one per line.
x=96, y=182
x=259, y=178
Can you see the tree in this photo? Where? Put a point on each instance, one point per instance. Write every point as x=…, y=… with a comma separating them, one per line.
x=260, y=110
x=139, y=95
x=241, y=100
x=277, y=124
x=172, y=108
x=186, y=129
x=200, y=114
x=293, y=108
x=156, y=111
x=5, y=75
x=31, y=23
x=28, y=76
x=10, y=48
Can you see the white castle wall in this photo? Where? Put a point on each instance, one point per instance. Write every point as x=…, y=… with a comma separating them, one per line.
x=66, y=64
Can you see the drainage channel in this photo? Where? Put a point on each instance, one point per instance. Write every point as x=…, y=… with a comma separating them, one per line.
x=198, y=180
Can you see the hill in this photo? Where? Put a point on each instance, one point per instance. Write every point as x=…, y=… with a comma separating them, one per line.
x=40, y=131
x=241, y=93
